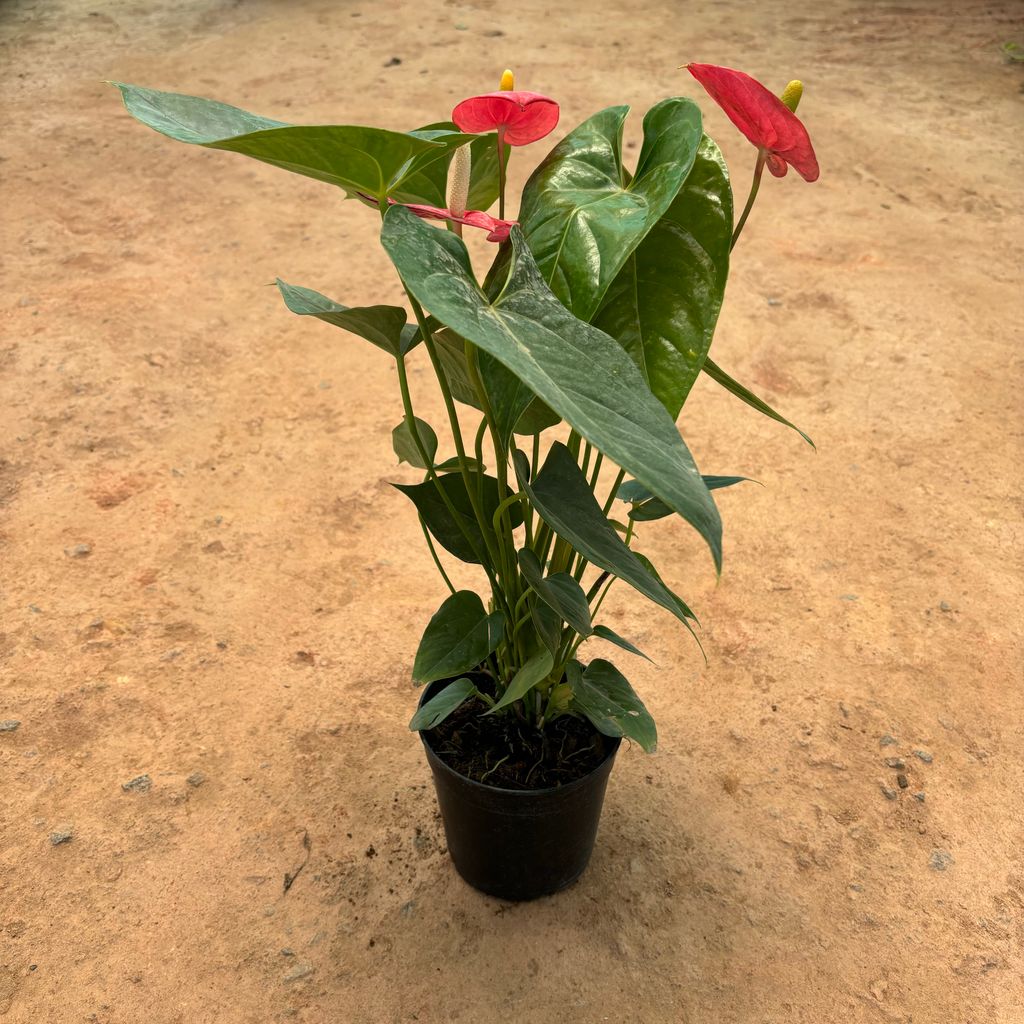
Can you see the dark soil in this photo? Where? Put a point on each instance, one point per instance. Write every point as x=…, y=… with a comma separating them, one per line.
x=500, y=750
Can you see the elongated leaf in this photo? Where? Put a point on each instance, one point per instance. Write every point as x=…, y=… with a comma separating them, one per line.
x=559, y=591
x=581, y=373
x=451, y=533
x=716, y=373
x=457, y=639
x=383, y=326
x=562, y=497
x=441, y=705
x=613, y=638
x=452, y=465
x=532, y=673
x=405, y=446
x=581, y=212
x=372, y=161
x=647, y=508
x=664, y=304
x=604, y=695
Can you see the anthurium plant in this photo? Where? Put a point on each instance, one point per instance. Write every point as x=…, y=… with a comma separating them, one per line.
x=572, y=354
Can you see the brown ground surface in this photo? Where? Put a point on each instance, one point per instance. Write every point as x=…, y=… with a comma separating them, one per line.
x=253, y=591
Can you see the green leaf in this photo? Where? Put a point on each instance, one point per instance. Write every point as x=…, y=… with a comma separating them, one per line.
x=559, y=591
x=405, y=444
x=372, y=161
x=582, y=374
x=613, y=638
x=548, y=626
x=715, y=372
x=383, y=326
x=446, y=530
x=664, y=304
x=426, y=180
x=647, y=507
x=441, y=705
x=457, y=639
x=533, y=672
x=604, y=695
x=453, y=465
x=582, y=214
x=562, y=497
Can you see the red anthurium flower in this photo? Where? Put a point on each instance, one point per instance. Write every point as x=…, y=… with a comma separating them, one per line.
x=519, y=117
x=762, y=117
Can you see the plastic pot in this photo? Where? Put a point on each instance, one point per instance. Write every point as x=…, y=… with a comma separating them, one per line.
x=518, y=844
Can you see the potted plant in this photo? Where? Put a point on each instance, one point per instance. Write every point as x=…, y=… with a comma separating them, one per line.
x=571, y=356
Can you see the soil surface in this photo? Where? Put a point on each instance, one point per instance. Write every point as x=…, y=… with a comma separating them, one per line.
x=211, y=809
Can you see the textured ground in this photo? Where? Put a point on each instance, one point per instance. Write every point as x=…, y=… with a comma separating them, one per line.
x=205, y=578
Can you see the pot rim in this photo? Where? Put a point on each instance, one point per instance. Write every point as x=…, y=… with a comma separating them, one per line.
x=613, y=744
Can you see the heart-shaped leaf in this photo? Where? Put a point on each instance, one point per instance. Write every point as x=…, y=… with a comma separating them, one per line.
x=383, y=326
x=559, y=591
x=371, y=161
x=406, y=447
x=664, y=304
x=582, y=213
x=457, y=639
x=451, y=533
x=604, y=695
x=582, y=374
x=562, y=497
x=441, y=705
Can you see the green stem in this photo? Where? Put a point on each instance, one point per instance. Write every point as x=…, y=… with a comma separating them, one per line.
x=762, y=156
x=433, y=555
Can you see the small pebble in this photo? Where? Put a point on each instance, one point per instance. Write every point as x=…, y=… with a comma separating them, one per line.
x=919, y=796
x=61, y=836
x=287, y=951
x=889, y=794
x=394, y=62
x=196, y=779
x=940, y=860
x=923, y=755
x=79, y=551
x=902, y=781
x=848, y=597
x=9, y=725
x=856, y=888
x=299, y=971
x=887, y=741
x=895, y=762
x=140, y=784
x=772, y=301
x=408, y=909
x=945, y=606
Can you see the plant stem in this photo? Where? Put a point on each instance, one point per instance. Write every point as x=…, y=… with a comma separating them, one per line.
x=434, y=556
x=754, y=186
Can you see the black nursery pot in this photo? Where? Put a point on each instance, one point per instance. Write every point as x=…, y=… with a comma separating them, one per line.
x=518, y=844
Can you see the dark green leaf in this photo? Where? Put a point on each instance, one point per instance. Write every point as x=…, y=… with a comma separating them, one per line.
x=426, y=180
x=384, y=326
x=604, y=695
x=533, y=672
x=647, y=508
x=453, y=465
x=562, y=497
x=559, y=591
x=457, y=639
x=548, y=626
x=440, y=706
x=613, y=638
x=581, y=373
x=581, y=213
x=405, y=444
x=715, y=372
x=372, y=161
x=451, y=533
x=664, y=304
